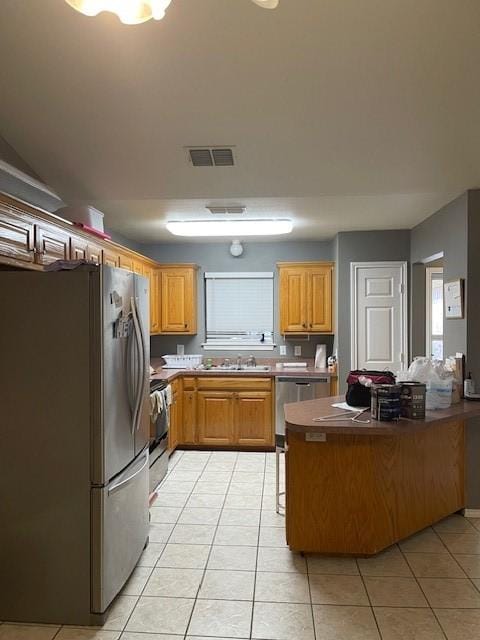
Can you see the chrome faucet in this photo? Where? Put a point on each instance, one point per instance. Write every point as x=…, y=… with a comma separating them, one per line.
x=251, y=362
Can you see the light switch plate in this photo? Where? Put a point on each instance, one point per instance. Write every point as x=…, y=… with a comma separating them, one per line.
x=283, y=349
x=315, y=437
x=180, y=349
x=298, y=350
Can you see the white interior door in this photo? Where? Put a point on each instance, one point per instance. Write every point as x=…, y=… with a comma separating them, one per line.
x=379, y=315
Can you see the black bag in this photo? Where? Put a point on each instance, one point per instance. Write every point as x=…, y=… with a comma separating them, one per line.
x=358, y=395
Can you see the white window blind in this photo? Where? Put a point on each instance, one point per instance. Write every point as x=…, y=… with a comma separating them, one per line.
x=239, y=309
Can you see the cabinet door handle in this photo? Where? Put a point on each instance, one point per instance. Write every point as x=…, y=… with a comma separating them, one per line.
x=311, y=325
x=304, y=325
x=186, y=326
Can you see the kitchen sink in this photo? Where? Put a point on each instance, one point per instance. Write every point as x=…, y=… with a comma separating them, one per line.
x=244, y=367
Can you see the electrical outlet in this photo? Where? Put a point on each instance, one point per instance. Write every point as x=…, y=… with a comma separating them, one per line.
x=283, y=349
x=298, y=350
x=180, y=349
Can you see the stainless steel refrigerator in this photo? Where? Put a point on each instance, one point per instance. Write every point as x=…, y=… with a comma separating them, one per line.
x=74, y=407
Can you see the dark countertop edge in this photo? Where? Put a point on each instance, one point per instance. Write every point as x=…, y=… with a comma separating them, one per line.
x=171, y=374
x=298, y=418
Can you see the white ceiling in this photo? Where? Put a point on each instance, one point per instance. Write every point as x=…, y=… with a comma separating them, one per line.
x=345, y=114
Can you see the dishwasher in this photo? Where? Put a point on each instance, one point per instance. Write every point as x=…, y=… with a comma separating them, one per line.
x=296, y=389
x=292, y=389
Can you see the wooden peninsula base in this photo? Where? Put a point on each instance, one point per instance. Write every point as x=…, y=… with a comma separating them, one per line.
x=367, y=486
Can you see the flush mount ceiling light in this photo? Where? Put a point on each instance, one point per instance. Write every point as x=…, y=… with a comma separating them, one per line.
x=235, y=228
x=137, y=11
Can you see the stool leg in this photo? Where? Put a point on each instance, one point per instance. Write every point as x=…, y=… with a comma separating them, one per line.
x=277, y=479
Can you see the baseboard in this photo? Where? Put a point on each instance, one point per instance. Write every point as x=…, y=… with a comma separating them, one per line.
x=471, y=513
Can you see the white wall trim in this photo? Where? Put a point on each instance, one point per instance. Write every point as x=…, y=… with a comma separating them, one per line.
x=354, y=267
x=209, y=346
x=267, y=275
x=471, y=513
x=429, y=272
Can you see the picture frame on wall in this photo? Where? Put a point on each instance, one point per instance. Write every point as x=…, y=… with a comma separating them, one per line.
x=453, y=296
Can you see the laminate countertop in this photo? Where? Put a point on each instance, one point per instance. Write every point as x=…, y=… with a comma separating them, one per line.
x=299, y=417
x=306, y=372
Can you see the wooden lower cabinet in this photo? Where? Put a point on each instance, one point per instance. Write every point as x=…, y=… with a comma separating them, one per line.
x=253, y=418
x=189, y=417
x=215, y=418
x=175, y=426
x=227, y=412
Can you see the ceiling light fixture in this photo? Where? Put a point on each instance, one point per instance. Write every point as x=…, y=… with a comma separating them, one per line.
x=137, y=11
x=235, y=228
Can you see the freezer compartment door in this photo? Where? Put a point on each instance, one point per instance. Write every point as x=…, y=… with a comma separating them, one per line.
x=119, y=530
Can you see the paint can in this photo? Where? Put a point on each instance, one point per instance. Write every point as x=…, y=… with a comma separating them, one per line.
x=412, y=400
x=386, y=402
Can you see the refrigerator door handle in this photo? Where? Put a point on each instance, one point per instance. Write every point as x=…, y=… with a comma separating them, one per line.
x=143, y=378
x=132, y=373
x=140, y=370
x=119, y=485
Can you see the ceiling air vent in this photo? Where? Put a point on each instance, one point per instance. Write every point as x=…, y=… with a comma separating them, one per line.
x=223, y=157
x=234, y=210
x=209, y=157
x=201, y=157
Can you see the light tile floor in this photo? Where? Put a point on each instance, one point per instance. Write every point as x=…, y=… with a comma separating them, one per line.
x=217, y=568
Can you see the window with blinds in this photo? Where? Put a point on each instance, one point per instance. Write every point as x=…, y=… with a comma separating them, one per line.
x=239, y=310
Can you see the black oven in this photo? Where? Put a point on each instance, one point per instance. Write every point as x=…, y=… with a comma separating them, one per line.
x=158, y=441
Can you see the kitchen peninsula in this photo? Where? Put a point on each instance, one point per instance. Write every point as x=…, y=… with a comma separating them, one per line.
x=357, y=488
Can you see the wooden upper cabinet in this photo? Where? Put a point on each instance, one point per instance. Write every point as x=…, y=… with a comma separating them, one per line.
x=253, y=418
x=293, y=300
x=51, y=243
x=17, y=236
x=320, y=299
x=125, y=261
x=111, y=258
x=306, y=297
x=78, y=248
x=178, y=300
x=138, y=267
x=152, y=276
x=94, y=253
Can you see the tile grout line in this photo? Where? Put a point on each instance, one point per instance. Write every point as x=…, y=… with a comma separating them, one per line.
x=165, y=546
x=362, y=578
x=420, y=586
x=211, y=547
x=305, y=556
x=258, y=547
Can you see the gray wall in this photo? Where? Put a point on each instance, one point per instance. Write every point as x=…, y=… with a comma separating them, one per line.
x=445, y=232
x=126, y=242
x=257, y=256
x=361, y=246
x=454, y=231
x=473, y=345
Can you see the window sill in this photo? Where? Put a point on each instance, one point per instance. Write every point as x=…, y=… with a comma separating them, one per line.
x=208, y=346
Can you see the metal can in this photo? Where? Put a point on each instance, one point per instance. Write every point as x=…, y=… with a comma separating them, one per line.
x=412, y=400
x=386, y=402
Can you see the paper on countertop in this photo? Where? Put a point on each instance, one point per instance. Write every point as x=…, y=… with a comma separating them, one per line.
x=347, y=407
